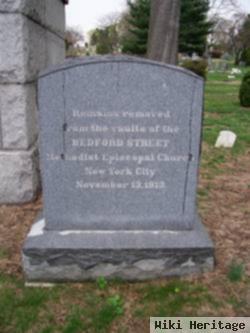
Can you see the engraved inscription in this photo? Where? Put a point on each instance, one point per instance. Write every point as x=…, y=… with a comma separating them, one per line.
x=120, y=156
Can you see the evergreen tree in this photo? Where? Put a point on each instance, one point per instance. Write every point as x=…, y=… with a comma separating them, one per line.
x=194, y=26
x=136, y=40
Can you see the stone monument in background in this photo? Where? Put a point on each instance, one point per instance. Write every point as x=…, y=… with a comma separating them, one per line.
x=120, y=145
x=31, y=38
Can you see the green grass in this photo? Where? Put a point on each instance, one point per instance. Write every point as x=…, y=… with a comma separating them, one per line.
x=174, y=298
x=32, y=309
x=236, y=271
x=110, y=309
x=102, y=283
x=223, y=76
x=223, y=112
x=86, y=308
x=3, y=253
x=20, y=308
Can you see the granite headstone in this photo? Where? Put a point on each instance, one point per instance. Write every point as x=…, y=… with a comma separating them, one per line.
x=120, y=144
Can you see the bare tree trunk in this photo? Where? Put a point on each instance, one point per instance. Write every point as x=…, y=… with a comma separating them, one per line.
x=164, y=31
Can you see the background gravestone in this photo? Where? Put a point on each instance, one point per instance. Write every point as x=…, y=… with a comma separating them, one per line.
x=119, y=143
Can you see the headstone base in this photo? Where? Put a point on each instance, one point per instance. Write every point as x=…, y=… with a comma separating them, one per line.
x=54, y=256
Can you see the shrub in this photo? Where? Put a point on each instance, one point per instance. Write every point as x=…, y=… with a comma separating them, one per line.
x=199, y=67
x=245, y=91
x=245, y=57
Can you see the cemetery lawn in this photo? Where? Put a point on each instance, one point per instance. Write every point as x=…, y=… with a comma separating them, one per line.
x=119, y=307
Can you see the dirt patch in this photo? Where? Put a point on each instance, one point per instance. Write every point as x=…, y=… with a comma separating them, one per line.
x=15, y=222
x=226, y=213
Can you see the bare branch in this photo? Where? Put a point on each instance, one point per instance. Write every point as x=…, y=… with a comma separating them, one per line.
x=110, y=19
x=226, y=8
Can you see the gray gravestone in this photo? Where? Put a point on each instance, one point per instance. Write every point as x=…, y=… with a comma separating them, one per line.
x=119, y=143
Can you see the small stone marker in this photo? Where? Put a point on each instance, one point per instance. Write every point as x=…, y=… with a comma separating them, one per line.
x=226, y=139
x=119, y=144
x=235, y=71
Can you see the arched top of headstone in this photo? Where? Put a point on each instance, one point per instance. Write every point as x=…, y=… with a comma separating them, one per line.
x=83, y=61
x=120, y=143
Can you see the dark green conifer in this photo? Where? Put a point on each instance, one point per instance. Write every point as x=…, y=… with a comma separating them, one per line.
x=194, y=27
